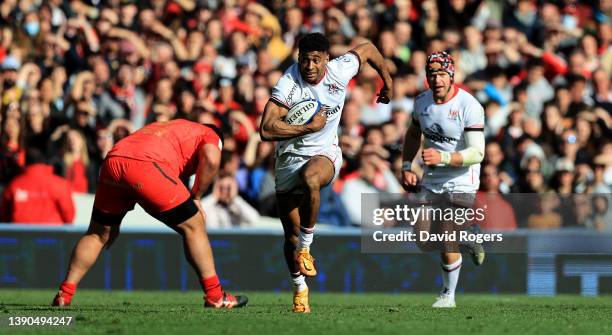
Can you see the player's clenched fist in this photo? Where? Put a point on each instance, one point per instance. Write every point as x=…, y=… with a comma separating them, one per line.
x=319, y=120
x=431, y=156
x=385, y=95
x=409, y=181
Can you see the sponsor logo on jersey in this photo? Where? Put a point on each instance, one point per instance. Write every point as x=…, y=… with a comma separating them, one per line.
x=21, y=195
x=290, y=96
x=334, y=89
x=452, y=114
x=436, y=134
x=333, y=111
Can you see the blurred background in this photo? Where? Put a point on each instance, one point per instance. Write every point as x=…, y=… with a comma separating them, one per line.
x=78, y=76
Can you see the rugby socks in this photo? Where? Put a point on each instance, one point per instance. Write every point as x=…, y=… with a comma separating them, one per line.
x=212, y=288
x=68, y=290
x=305, y=238
x=450, y=275
x=299, y=282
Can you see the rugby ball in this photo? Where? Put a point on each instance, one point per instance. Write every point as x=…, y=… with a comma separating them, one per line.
x=303, y=112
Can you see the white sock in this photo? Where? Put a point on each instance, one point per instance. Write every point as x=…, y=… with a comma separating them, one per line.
x=299, y=282
x=305, y=238
x=450, y=275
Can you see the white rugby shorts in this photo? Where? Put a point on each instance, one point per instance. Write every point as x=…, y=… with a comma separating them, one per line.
x=288, y=169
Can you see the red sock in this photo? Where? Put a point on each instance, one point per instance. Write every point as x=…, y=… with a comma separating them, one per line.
x=69, y=289
x=212, y=288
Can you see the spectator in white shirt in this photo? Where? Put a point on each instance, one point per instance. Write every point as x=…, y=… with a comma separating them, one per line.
x=224, y=208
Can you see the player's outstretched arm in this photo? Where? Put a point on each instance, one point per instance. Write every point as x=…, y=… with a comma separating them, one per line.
x=209, y=159
x=412, y=143
x=274, y=128
x=368, y=53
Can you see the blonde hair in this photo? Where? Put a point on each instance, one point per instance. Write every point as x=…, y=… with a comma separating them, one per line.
x=69, y=157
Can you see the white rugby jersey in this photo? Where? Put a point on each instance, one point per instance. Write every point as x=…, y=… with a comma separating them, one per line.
x=330, y=91
x=444, y=126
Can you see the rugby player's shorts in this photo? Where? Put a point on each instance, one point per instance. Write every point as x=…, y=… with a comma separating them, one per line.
x=123, y=182
x=288, y=169
x=442, y=200
x=447, y=193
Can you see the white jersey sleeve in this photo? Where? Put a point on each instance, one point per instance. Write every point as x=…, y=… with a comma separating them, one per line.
x=283, y=91
x=473, y=114
x=345, y=67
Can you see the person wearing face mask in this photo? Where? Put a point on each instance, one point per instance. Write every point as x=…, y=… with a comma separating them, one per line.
x=32, y=28
x=29, y=38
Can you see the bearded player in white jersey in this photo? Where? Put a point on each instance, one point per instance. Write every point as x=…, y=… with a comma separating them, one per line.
x=307, y=156
x=452, y=122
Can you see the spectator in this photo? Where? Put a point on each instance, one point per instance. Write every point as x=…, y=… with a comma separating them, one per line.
x=332, y=210
x=546, y=217
x=74, y=165
x=457, y=13
x=499, y=214
x=563, y=180
x=473, y=56
x=259, y=159
x=37, y=196
x=538, y=89
x=373, y=176
x=225, y=208
x=294, y=26
x=12, y=150
x=601, y=163
x=540, y=69
x=601, y=217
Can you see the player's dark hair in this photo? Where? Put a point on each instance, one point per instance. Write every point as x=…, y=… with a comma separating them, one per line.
x=35, y=156
x=216, y=129
x=313, y=42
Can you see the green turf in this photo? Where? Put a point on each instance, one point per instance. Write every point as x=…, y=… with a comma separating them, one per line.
x=99, y=312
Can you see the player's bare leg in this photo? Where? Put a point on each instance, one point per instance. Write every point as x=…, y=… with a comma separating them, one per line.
x=197, y=246
x=318, y=172
x=288, y=210
x=199, y=254
x=83, y=257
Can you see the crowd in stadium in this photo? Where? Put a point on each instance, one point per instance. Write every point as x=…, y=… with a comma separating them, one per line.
x=78, y=76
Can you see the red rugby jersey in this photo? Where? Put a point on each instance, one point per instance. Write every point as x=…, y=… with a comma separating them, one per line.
x=174, y=143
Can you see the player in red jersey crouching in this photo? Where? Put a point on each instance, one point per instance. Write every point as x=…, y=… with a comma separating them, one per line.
x=147, y=168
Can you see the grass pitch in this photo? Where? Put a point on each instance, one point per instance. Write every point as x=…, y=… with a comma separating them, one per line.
x=100, y=312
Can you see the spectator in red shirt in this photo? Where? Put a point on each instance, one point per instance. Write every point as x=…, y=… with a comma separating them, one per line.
x=499, y=213
x=75, y=162
x=37, y=196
